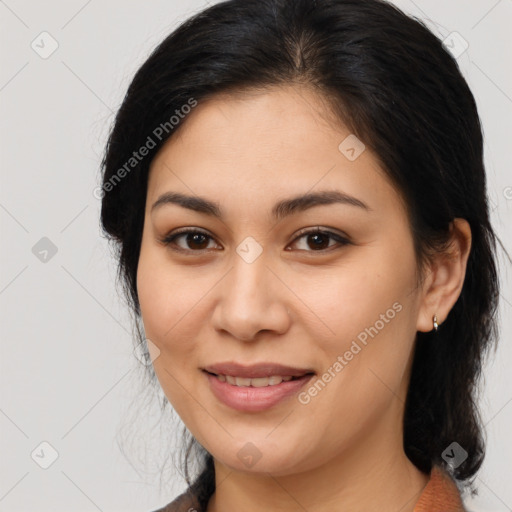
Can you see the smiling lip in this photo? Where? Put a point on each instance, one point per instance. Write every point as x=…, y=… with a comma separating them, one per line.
x=255, y=399
x=256, y=370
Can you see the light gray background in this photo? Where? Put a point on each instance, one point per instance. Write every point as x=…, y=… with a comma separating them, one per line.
x=68, y=374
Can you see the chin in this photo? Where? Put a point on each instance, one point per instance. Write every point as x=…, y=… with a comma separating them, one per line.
x=278, y=461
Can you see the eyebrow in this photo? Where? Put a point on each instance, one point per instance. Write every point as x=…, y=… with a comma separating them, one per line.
x=280, y=210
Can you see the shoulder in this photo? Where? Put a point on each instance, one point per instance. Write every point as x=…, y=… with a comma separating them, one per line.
x=441, y=494
x=186, y=502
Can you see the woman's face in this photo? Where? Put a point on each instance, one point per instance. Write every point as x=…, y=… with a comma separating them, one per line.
x=254, y=288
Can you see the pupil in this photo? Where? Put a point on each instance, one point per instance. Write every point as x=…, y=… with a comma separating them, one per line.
x=197, y=239
x=318, y=240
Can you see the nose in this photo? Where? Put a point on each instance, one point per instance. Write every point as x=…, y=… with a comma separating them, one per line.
x=251, y=300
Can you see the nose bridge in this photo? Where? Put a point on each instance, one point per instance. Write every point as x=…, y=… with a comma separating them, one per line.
x=250, y=269
x=252, y=275
x=248, y=283
x=249, y=302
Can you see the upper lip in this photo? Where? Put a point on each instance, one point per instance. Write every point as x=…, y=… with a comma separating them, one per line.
x=256, y=370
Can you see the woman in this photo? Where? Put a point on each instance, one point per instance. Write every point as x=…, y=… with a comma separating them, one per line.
x=298, y=196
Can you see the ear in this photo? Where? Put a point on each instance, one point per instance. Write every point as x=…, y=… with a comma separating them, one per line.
x=445, y=277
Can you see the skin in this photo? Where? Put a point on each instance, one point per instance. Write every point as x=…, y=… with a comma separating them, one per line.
x=295, y=304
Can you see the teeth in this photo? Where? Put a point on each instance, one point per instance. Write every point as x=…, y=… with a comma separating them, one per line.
x=259, y=382
x=242, y=381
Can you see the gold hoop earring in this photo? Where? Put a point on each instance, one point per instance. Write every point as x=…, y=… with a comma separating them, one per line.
x=436, y=325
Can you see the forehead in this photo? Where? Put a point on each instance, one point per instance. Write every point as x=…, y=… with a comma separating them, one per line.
x=259, y=115
x=275, y=142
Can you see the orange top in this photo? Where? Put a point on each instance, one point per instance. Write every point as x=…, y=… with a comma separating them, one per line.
x=439, y=495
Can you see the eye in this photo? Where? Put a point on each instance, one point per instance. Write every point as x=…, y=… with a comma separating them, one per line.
x=319, y=240
x=194, y=240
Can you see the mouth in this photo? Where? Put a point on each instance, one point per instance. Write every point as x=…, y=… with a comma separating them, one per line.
x=255, y=388
x=257, y=382
x=256, y=371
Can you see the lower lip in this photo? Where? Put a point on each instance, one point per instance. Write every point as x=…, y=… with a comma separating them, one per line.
x=252, y=399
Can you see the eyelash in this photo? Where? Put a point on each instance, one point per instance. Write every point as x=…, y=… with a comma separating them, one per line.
x=171, y=238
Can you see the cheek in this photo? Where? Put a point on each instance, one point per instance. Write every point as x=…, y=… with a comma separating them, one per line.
x=370, y=315
x=165, y=296
x=360, y=298
x=166, y=307
x=363, y=381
